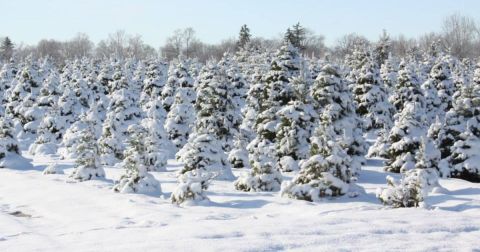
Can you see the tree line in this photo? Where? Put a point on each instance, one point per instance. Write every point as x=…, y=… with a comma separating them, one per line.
x=459, y=35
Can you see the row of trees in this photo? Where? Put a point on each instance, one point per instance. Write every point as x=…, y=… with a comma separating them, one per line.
x=460, y=35
x=262, y=111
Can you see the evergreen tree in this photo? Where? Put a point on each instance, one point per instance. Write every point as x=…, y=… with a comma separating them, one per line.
x=465, y=156
x=405, y=138
x=389, y=74
x=465, y=107
x=292, y=132
x=71, y=137
x=158, y=147
x=123, y=111
x=22, y=100
x=7, y=74
x=6, y=49
x=154, y=82
x=181, y=117
x=192, y=187
x=49, y=134
x=136, y=178
x=442, y=78
x=371, y=99
x=407, y=88
x=330, y=92
x=243, y=37
x=382, y=49
x=87, y=164
x=178, y=77
x=326, y=173
x=206, y=147
x=8, y=142
x=264, y=175
x=235, y=97
x=415, y=184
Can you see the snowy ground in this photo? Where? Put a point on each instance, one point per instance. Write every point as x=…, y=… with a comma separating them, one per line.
x=45, y=213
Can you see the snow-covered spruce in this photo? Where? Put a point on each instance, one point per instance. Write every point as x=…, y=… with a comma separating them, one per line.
x=371, y=99
x=389, y=73
x=405, y=138
x=191, y=187
x=407, y=88
x=122, y=112
x=238, y=156
x=181, y=117
x=236, y=94
x=71, y=137
x=10, y=156
x=22, y=100
x=415, y=184
x=7, y=74
x=331, y=95
x=465, y=158
x=49, y=134
x=87, y=164
x=155, y=78
x=326, y=174
x=264, y=175
x=53, y=168
x=203, y=152
x=178, y=77
x=293, y=131
x=158, y=147
x=136, y=178
x=208, y=142
x=442, y=77
x=410, y=191
x=466, y=106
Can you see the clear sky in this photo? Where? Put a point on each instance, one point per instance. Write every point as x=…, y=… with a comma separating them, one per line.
x=31, y=20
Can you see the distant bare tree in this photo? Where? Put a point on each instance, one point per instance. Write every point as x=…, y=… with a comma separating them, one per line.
x=78, y=47
x=345, y=45
x=51, y=48
x=460, y=33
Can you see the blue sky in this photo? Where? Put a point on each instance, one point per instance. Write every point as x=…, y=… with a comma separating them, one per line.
x=31, y=20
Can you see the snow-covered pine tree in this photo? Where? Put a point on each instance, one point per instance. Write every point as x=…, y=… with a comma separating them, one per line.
x=236, y=92
x=407, y=88
x=389, y=73
x=405, y=138
x=464, y=160
x=238, y=156
x=123, y=111
x=331, y=94
x=49, y=133
x=206, y=147
x=72, y=135
x=371, y=99
x=8, y=142
x=464, y=107
x=87, y=164
x=22, y=98
x=181, y=117
x=256, y=96
x=178, y=77
x=415, y=184
x=136, y=178
x=442, y=78
x=76, y=97
x=191, y=188
x=7, y=74
x=264, y=175
x=326, y=173
x=158, y=147
x=293, y=132
x=154, y=81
